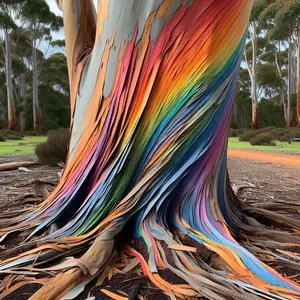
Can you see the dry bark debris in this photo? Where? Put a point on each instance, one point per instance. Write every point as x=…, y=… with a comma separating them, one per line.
x=262, y=185
x=18, y=188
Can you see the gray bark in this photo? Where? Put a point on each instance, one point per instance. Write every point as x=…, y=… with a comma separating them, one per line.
x=8, y=69
x=289, y=84
x=36, y=113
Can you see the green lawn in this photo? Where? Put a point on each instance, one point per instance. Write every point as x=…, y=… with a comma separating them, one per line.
x=280, y=146
x=24, y=146
x=27, y=145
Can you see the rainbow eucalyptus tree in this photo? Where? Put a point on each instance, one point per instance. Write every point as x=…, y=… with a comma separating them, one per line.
x=152, y=88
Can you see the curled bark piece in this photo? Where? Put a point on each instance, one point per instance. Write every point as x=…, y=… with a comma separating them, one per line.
x=16, y=165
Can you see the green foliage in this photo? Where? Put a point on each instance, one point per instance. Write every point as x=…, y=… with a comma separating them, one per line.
x=12, y=135
x=2, y=138
x=247, y=136
x=285, y=138
x=270, y=114
x=279, y=132
x=264, y=138
x=6, y=21
x=292, y=134
x=55, y=149
x=37, y=11
x=54, y=109
x=234, y=124
x=58, y=43
x=233, y=132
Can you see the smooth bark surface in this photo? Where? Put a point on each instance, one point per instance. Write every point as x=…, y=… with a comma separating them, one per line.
x=9, y=86
x=252, y=70
x=298, y=81
x=289, y=85
x=35, y=95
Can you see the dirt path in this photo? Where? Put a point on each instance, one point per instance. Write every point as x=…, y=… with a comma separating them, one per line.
x=271, y=157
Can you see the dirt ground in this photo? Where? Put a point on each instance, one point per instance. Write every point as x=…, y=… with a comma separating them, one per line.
x=267, y=181
x=260, y=180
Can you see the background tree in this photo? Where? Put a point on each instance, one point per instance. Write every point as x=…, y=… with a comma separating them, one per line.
x=283, y=20
x=254, y=31
x=40, y=22
x=7, y=23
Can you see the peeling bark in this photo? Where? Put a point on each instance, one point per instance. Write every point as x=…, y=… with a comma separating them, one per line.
x=151, y=111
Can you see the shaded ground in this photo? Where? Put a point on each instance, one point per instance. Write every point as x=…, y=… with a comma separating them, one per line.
x=260, y=180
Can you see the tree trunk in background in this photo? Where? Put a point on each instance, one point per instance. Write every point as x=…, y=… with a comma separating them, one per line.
x=22, y=102
x=35, y=96
x=252, y=70
x=298, y=81
x=254, y=82
x=284, y=89
x=10, y=98
x=289, y=85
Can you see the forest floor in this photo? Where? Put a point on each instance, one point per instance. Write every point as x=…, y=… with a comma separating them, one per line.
x=262, y=180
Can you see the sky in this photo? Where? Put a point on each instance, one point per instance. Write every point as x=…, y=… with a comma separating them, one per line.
x=59, y=35
x=56, y=35
x=53, y=7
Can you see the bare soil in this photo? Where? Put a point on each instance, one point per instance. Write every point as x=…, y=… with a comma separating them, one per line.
x=260, y=181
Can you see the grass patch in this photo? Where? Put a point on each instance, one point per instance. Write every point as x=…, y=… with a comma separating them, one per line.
x=234, y=143
x=24, y=146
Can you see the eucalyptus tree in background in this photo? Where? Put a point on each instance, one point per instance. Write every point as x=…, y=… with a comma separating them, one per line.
x=40, y=23
x=21, y=53
x=284, y=17
x=288, y=20
x=7, y=23
x=254, y=31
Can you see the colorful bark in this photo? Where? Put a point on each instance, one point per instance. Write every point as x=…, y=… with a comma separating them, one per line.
x=151, y=110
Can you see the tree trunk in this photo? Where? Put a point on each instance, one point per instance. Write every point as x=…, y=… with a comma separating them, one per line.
x=35, y=96
x=10, y=98
x=284, y=88
x=289, y=92
x=252, y=70
x=298, y=81
x=22, y=101
x=153, y=85
x=254, y=83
